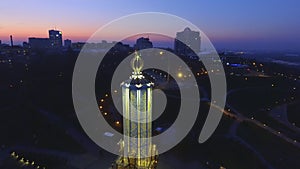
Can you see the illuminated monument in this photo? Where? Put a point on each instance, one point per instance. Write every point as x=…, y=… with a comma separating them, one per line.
x=137, y=150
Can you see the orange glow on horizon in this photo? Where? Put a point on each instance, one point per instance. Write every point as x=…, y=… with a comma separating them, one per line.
x=23, y=32
x=74, y=34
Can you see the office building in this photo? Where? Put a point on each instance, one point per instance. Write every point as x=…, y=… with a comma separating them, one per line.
x=38, y=43
x=67, y=43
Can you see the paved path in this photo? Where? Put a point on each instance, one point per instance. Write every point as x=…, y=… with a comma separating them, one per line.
x=279, y=113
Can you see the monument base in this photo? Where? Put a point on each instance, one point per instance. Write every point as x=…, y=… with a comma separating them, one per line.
x=134, y=163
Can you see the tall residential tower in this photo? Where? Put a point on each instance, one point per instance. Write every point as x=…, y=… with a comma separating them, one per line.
x=186, y=41
x=55, y=38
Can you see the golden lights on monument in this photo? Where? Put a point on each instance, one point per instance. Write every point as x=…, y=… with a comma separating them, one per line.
x=137, y=149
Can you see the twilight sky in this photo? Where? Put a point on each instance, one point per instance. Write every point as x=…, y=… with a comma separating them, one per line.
x=230, y=24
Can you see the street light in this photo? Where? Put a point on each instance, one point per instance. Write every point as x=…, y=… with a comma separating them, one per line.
x=180, y=75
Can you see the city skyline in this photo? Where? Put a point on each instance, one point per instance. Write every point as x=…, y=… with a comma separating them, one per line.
x=90, y=84
x=248, y=25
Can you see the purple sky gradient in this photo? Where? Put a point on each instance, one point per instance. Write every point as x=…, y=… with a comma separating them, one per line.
x=230, y=24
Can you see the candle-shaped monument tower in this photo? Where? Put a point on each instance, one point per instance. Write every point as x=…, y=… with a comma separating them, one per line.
x=137, y=150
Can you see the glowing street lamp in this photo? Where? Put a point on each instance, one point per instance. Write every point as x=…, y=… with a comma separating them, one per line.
x=180, y=75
